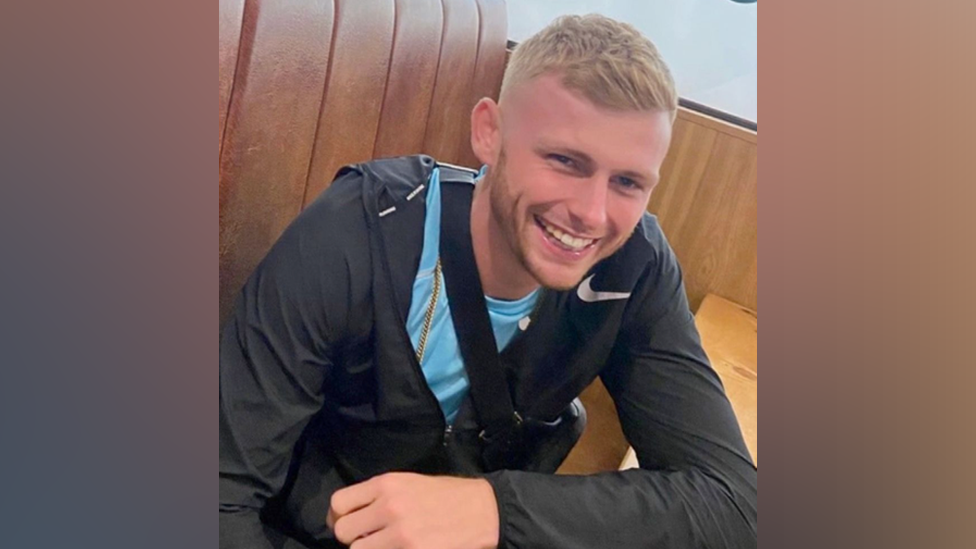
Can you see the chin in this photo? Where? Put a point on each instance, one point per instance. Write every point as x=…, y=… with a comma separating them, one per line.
x=561, y=285
x=555, y=277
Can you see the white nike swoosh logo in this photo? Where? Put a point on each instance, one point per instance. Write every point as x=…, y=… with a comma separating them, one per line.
x=588, y=295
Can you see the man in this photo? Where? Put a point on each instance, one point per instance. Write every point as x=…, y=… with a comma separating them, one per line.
x=346, y=408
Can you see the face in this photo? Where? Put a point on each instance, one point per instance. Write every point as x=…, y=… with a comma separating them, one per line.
x=568, y=181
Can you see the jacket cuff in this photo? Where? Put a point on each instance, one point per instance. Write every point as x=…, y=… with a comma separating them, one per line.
x=505, y=497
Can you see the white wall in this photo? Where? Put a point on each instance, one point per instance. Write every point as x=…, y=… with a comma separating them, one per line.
x=710, y=45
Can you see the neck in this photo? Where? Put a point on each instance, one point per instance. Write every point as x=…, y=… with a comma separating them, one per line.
x=502, y=274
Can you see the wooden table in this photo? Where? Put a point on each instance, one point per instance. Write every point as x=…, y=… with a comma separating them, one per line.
x=730, y=336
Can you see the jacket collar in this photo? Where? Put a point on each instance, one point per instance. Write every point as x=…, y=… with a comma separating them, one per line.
x=394, y=191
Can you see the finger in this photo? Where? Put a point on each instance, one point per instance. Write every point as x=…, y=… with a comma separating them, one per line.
x=359, y=524
x=384, y=539
x=350, y=499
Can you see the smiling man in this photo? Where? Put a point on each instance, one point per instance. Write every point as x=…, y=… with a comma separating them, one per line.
x=571, y=180
x=401, y=369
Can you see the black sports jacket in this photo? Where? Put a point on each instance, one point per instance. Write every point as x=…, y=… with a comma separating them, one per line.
x=319, y=388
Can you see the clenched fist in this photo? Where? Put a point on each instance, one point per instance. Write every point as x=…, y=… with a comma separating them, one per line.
x=405, y=511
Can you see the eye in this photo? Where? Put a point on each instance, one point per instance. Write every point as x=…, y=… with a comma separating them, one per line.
x=563, y=160
x=628, y=183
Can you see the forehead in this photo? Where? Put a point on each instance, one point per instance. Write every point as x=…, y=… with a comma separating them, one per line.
x=544, y=112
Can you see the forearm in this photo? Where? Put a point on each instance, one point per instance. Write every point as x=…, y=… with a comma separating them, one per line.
x=637, y=508
x=243, y=529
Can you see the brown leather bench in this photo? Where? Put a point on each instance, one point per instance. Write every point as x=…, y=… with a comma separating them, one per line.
x=307, y=87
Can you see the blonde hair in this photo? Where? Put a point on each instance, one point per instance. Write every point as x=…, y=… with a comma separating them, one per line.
x=611, y=63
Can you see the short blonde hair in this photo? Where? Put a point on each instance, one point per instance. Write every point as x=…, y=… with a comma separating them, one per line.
x=611, y=63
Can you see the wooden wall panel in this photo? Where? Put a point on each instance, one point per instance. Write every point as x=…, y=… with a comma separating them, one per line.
x=357, y=77
x=419, y=26
x=707, y=205
x=270, y=131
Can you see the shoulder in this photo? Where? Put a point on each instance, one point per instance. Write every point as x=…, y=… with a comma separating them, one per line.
x=654, y=272
x=650, y=239
x=646, y=253
x=396, y=177
x=656, y=247
x=337, y=223
x=364, y=189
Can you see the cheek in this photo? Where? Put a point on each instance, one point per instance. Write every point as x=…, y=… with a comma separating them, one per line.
x=546, y=188
x=625, y=212
x=532, y=188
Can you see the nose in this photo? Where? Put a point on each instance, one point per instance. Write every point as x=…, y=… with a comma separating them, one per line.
x=588, y=211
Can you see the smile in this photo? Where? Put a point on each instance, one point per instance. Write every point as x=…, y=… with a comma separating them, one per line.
x=563, y=239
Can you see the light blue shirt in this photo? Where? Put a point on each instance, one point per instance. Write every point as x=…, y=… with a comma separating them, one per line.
x=443, y=366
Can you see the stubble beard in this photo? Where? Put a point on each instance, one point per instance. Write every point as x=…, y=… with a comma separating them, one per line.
x=503, y=207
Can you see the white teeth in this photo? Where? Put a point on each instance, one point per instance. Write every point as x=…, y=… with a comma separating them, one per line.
x=570, y=241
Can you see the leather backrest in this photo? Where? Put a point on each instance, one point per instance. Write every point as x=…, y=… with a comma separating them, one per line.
x=307, y=86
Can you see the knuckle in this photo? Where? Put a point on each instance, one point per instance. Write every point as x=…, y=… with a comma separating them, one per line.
x=396, y=508
x=388, y=508
x=386, y=482
x=402, y=537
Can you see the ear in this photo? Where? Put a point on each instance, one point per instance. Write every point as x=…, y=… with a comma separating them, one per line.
x=486, y=137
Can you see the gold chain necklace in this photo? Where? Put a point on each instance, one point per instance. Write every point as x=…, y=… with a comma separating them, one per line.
x=429, y=317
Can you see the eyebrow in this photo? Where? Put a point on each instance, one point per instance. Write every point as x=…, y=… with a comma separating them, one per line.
x=586, y=162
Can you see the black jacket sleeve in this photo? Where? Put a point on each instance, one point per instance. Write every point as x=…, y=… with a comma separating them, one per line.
x=274, y=360
x=696, y=487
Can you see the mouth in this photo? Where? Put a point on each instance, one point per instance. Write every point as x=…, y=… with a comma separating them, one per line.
x=564, y=240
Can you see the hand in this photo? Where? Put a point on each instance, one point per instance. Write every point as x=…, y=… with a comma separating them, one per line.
x=403, y=511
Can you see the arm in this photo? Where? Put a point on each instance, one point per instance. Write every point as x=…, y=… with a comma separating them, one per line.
x=274, y=357
x=697, y=486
